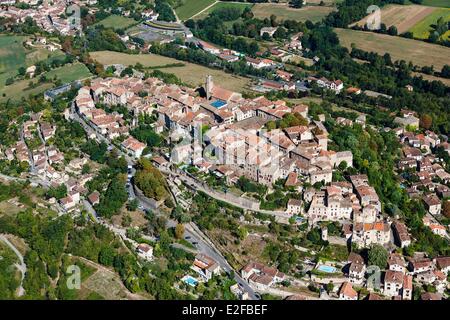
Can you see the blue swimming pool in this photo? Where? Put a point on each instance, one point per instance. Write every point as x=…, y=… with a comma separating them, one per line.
x=327, y=269
x=218, y=104
x=190, y=281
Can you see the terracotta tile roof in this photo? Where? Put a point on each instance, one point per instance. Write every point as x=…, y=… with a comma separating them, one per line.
x=374, y=296
x=443, y=262
x=348, y=291
x=431, y=296
x=393, y=277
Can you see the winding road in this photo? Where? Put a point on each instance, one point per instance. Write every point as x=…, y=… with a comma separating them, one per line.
x=195, y=236
x=22, y=266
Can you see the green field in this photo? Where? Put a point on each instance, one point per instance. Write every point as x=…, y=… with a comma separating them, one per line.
x=192, y=74
x=13, y=55
x=422, y=29
x=417, y=51
x=192, y=7
x=117, y=22
x=220, y=5
x=283, y=12
x=67, y=73
x=437, y=3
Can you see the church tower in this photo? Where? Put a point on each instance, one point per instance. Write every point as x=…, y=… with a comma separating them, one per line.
x=209, y=86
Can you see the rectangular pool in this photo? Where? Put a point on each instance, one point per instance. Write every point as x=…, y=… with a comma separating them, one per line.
x=327, y=269
x=190, y=281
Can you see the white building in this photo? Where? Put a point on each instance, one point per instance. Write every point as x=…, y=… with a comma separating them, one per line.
x=294, y=207
x=133, y=146
x=205, y=266
x=145, y=251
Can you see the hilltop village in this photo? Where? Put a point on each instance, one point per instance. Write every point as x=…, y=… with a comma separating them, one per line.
x=217, y=154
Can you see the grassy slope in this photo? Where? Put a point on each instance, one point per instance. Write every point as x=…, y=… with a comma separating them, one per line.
x=67, y=73
x=13, y=56
x=12, y=53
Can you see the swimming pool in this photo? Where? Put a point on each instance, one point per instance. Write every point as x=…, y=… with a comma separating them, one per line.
x=327, y=269
x=190, y=281
x=218, y=104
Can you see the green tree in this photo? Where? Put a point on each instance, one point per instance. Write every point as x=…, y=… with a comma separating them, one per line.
x=22, y=71
x=179, y=231
x=106, y=256
x=425, y=121
x=378, y=256
x=297, y=4
x=132, y=205
x=392, y=31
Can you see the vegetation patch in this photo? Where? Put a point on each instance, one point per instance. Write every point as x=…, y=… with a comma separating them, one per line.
x=436, y=3
x=283, y=12
x=191, y=7
x=117, y=22
x=223, y=4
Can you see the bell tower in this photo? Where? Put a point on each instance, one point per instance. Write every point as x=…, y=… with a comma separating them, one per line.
x=209, y=86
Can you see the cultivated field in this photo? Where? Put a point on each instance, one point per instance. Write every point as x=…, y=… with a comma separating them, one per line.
x=414, y=18
x=219, y=5
x=403, y=17
x=192, y=7
x=117, y=22
x=283, y=12
x=190, y=73
x=417, y=51
x=422, y=29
